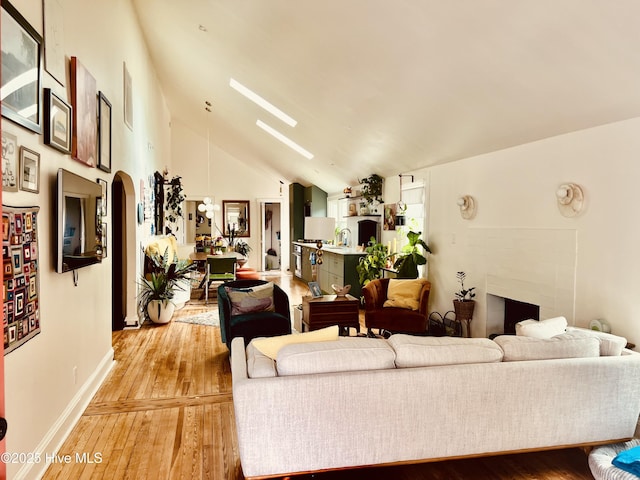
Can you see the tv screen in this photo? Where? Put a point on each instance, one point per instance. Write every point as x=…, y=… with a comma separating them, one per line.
x=79, y=229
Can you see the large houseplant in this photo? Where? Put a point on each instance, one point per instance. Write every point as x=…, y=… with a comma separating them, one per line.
x=408, y=261
x=370, y=266
x=159, y=284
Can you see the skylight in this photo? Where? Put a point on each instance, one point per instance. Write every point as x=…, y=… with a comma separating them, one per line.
x=258, y=100
x=286, y=140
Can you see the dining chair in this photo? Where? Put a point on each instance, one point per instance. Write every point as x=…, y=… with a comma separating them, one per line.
x=219, y=269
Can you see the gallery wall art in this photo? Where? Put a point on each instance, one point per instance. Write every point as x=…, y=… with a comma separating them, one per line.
x=21, y=275
x=85, y=105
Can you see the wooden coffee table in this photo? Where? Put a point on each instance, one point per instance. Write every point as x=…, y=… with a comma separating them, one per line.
x=330, y=310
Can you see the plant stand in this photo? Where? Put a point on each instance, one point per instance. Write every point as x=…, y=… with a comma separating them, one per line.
x=464, y=313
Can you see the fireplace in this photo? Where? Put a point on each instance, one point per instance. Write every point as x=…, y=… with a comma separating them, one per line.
x=503, y=313
x=516, y=311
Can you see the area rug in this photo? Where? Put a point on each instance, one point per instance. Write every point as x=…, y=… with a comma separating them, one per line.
x=209, y=318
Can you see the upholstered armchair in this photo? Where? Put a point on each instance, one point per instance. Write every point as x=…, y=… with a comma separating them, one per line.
x=398, y=318
x=244, y=320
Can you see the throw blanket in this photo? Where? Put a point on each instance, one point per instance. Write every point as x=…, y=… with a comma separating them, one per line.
x=629, y=461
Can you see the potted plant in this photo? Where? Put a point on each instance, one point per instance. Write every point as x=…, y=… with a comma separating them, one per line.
x=370, y=266
x=464, y=304
x=155, y=297
x=243, y=248
x=401, y=209
x=159, y=285
x=407, y=263
x=372, y=188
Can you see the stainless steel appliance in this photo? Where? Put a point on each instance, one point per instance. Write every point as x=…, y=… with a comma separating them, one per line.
x=297, y=260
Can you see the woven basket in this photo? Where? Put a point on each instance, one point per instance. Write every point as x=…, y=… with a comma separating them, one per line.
x=464, y=310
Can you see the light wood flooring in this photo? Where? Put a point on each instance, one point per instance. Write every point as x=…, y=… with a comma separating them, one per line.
x=166, y=412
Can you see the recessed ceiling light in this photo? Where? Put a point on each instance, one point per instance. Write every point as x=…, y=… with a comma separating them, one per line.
x=286, y=140
x=257, y=99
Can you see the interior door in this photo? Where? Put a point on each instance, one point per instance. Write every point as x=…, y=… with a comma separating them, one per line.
x=263, y=236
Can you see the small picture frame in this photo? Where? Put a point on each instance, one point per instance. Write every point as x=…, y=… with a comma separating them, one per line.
x=104, y=186
x=29, y=170
x=57, y=122
x=314, y=288
x=9, y=162
x=103, y=232
x=104, y=133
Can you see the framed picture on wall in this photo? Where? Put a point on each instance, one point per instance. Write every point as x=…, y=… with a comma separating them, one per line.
x=21, y=52
x=104, y=186
x=57, y=122
x=9, y=162
x=29, y=170
x=84, y=102
x=104, y=133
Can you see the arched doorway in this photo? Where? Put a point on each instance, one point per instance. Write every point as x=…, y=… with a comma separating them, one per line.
x=123, y=250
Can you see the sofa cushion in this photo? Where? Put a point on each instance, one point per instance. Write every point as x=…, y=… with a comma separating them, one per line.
x=251, y=299
x=271, y=346
x=346, y=354
x=565, y=345
x=404, y=293
x=547, y=328
x=610, y=345
x=258, y=364
x=413, y=351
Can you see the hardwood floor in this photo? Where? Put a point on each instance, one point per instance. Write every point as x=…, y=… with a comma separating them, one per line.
x=166, y=412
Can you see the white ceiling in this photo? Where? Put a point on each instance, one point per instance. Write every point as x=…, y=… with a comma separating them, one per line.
x=382, y=86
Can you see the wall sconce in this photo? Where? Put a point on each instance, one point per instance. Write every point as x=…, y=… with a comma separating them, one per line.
x=570, y=199
x=467, y=207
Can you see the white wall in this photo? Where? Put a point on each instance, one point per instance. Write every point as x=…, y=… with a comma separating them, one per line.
x=227, y=178
x=43, y=398
x=515, y=189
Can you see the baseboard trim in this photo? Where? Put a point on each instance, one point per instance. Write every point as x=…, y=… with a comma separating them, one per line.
x=62, y=427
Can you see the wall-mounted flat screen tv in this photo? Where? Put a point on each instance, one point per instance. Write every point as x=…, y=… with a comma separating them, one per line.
x=79, y=235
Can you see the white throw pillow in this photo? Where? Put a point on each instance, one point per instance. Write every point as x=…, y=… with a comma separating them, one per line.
x=610, y=345
x=565, y=345
x=547, y=328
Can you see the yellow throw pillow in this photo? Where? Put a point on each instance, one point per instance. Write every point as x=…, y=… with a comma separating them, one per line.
x=270, y=346
x=404, y=293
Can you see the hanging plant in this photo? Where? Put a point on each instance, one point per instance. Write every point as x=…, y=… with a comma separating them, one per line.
x=372, y=188
x=175, y=197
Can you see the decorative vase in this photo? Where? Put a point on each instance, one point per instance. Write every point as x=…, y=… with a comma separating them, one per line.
x=364, y=210
x=160, y=311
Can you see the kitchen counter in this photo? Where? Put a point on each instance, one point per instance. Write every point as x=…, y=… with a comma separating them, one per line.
x=332, y=249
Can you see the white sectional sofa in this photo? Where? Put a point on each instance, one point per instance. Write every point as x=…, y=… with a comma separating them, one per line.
x=360, y=402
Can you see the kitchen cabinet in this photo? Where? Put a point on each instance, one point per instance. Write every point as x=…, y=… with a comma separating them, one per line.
x=339, y=267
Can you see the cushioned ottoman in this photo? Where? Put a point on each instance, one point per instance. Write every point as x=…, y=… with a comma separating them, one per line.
x=600, y=461
x=247, y=274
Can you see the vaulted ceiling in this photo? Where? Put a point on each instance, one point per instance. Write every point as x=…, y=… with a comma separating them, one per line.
x=381, y=86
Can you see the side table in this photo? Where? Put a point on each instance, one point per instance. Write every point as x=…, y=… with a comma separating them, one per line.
x=330, y=310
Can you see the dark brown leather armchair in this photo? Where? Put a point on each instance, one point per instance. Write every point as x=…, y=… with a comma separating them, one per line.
x=393, y=319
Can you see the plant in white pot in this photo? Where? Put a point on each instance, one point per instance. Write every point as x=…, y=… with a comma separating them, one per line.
x=158, y=287
x=155, y=297
x=464, y=303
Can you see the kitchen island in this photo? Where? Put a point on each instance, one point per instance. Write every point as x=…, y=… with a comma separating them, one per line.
x=338, y=267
